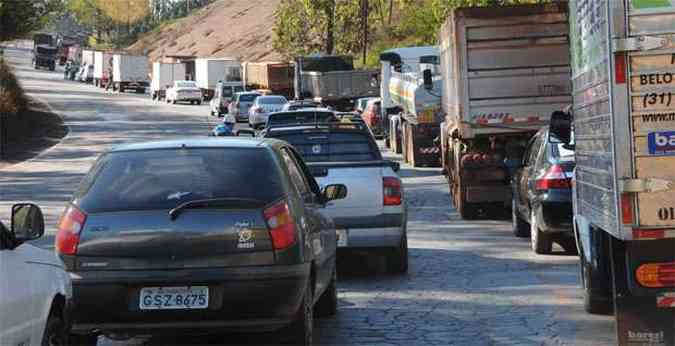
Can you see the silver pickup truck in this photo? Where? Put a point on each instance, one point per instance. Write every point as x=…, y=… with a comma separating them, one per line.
x=374, y=214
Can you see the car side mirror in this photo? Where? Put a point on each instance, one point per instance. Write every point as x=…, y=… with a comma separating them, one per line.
x=428, y=80
x=395, y=166
x=245, y=133
x=28, y=223
x=334, y=192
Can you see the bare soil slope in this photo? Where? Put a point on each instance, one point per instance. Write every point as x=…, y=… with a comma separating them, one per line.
x=225, y=28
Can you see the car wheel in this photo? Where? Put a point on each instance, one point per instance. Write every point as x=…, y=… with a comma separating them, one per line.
x=55, y=331
x=199, y=103
x=569, y=244
x=302, y=329
x=521, y=229
x=327, y=304
x=540, y=241
x=173, y=101
x=397, y=260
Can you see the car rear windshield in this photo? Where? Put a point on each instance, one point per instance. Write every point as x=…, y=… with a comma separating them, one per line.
x=272, y=100
x=288, y=118
x=315, y=146
x=186, y=85
x=558, y=151
x=247, y=97
x=164, y=179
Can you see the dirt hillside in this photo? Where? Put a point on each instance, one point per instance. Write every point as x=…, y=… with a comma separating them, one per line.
x=225, y=28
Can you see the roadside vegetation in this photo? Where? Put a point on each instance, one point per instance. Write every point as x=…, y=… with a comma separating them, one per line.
x=349, y=26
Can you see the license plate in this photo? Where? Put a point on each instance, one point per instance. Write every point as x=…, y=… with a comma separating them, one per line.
x=174, y=298
x=341, y=237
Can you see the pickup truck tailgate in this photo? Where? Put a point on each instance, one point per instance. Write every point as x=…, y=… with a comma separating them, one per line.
x=364, y=189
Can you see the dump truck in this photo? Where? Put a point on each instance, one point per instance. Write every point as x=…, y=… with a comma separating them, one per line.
x=274, y=76
x=210, y=71
x=505, y=70
x=333, y=80
x=411, y=107
x=163, y=76
x=102, y=67
x=44, y=51
x=623, y=134
x=130, y=72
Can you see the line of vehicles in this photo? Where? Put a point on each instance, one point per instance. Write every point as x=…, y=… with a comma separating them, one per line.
x=560, y=113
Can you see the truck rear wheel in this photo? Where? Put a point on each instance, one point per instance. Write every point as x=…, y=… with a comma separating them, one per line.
x=467, y=210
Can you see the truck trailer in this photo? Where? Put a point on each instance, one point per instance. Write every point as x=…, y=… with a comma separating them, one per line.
x=130, y=72
x=505, y=70
x=624, y=183
x=333, y=80
x=102, y=67
x=274, y=76
x=411, y=107
x=210, y=71
x=163, y=76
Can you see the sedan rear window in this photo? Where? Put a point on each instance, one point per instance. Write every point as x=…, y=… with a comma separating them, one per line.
x=303, y=117
x=272, y=100
x=164, y=179
x=186, y=84
x=247, y=97
x=331, y=147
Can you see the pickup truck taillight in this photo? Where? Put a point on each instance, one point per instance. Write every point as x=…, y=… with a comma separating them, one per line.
x=656, y=275
x=391, y=187
x=68, y=233
x=554, y=178
x=281, y=225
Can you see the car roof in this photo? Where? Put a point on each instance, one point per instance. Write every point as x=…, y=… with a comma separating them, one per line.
x=323, y=128
x=248, y=93
x=271, y=96
x=306, y=110
x=187, y=143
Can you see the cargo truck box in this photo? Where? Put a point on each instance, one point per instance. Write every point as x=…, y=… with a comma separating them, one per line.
x=209, y=71
x=130, y=72
x=275, y=76
x=102, y=66
x=163, y=75
x=505, y=70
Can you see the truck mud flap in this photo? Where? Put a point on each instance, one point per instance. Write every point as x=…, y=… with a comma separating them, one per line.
x=644, y=316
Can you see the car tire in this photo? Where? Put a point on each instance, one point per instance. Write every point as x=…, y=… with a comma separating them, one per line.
x=540, y=241
x=569, y=245
x=327, y=304
x=521, y=229
x=397, y=260
x=173, y=102
x=82, y=340
x=55, y=333
x=301, y=331
x=199, y=103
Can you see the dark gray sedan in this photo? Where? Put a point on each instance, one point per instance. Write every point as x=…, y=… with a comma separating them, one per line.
x=199, y=236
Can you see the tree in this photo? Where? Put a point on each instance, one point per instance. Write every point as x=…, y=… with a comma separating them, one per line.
x=19, y=17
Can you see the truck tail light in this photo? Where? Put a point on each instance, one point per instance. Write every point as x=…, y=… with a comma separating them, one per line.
x=656, y=275
x=554, y=178
x=627, y=209
x=281, y=225
x=391, y=188
x=69, y=229
x=620, y=68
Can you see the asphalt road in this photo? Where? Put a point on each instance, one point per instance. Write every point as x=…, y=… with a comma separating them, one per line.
x=470, y=282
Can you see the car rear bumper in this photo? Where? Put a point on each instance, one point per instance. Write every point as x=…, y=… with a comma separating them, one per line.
x=256, y=298
x=384, y=230
x=555, y=217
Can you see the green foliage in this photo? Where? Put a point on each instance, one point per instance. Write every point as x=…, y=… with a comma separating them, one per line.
x=303, y=26
x=19, y=17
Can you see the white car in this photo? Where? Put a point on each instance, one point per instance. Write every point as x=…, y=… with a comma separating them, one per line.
x=184, y=91
x=262, y=107
x=86, y=73
x=35, y=289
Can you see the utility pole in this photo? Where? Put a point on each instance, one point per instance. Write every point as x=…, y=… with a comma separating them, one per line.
x=364, y=18
x=187, y=7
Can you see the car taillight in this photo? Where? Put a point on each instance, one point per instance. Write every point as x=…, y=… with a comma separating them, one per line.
x=554, y=178
x=656, y=275
x=391, y=188
x=281, y=225
x=68, y=233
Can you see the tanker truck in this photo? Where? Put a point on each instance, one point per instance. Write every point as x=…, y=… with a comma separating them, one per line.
x=414, y=129
x=505, y=70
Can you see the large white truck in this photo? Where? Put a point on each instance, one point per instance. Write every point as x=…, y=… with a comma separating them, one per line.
x=130, y=72
x=210, y=71
x=623, y=62
x=412, y=107
x=404, y=59
x=505, y=70
x=163, y=76
x=102, y=66
x=87, y=57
